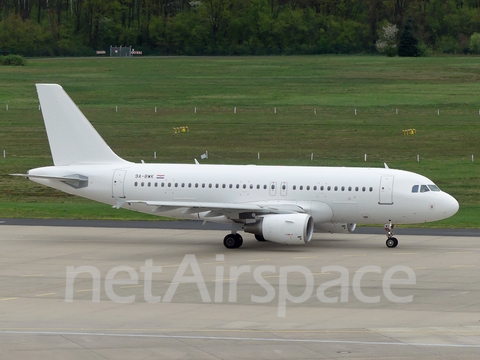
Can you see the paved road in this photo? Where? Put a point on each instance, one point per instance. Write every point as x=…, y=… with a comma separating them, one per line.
x=197, y=225
x=233, y=315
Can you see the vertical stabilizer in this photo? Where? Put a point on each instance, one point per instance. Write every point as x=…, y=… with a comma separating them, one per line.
x=73, y=140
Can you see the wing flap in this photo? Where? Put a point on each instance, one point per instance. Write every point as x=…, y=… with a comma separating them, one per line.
x=217, y=209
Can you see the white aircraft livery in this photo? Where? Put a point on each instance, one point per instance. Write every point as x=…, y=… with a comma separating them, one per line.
x=281, y=204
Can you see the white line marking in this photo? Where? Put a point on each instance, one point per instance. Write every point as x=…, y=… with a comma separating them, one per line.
x=32, y=275
x=461, y=266
x=258, y=260
x=130, y=286
x=312, y=341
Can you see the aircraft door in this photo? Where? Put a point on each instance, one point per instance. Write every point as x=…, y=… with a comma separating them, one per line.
x=118, y=183
x=283, y=189
x=386, y=190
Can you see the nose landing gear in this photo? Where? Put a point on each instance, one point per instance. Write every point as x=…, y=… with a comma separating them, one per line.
x=391, y=241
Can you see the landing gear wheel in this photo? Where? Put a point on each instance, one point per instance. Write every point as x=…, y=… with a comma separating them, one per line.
x=260, y=238
x=233, y=241
x=392, y=242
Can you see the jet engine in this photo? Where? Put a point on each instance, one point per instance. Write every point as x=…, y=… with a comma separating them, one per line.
x=286, y=229
x=337, y=228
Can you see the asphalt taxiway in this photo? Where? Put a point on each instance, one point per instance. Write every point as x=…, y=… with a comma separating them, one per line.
x=234, y=316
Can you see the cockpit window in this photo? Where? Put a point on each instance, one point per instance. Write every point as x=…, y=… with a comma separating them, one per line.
x=433, y=187
x=424, y=188
x=415, y=188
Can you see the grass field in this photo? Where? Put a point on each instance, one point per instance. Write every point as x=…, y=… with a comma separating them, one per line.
x=333, y=85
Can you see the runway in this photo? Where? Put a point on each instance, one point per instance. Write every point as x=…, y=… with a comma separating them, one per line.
x=210, y=303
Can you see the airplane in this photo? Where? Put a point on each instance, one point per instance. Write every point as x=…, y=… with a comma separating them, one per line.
x=280, y=204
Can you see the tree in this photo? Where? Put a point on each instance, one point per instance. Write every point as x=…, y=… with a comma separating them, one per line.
x=387, y=42
x=475, y=43
x=408, y=40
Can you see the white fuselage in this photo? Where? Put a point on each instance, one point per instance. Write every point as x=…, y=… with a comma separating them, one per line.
x=353, y=195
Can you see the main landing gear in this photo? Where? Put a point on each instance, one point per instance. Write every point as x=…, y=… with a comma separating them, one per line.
x=391, y=241
x=233, y=241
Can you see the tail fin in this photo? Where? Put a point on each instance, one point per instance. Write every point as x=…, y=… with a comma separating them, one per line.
x=73, y=140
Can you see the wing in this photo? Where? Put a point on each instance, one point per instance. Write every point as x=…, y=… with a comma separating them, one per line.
x=230, y=210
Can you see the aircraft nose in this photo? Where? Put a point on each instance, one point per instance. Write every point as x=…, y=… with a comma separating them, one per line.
x=450, y=205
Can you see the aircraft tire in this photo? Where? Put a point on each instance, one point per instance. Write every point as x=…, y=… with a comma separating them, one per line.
x=233, y=241
x=392, y=242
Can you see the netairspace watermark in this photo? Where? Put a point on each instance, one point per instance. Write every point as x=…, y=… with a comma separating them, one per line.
x=189, y=265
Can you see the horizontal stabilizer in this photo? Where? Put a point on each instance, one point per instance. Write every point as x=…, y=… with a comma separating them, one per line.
x=76, y=181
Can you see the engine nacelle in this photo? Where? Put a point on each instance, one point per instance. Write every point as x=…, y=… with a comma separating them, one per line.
x=286, y=229
x=337, y=228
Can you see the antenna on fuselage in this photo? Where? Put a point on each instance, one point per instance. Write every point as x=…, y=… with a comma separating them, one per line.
x=386, y=166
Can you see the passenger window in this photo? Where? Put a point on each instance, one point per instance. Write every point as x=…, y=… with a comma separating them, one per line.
x=244, y=186
x=308, y=187
x=210, y=185
x=238, y=186
x=143, y=184
x=156, y=184
x=224, y=186
x=283, y=187
x=294, y=187
x=163, y=184
x=424, y=188
x=183, y=184
x=349, y=188
x=189, y=185
x=216, y=185
x=230, y=186
x=136, y=183
x=258, y=186
x=196, y=185
x=176, y=184
x=328, y=188
x=343, y=188
x=301, y=187
x=315, y=188
x=203, y=185
x=273, y=187
x=356, y=188
x=149, y=184
x=321, y=188
x=371, y=189
x=364, y=188
x=265, y=187
x=251, y=186
x=336, y=188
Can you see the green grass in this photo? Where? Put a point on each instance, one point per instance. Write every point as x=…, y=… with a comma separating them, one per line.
x=334, y=85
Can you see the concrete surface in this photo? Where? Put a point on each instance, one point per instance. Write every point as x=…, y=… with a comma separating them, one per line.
x=36, y=321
